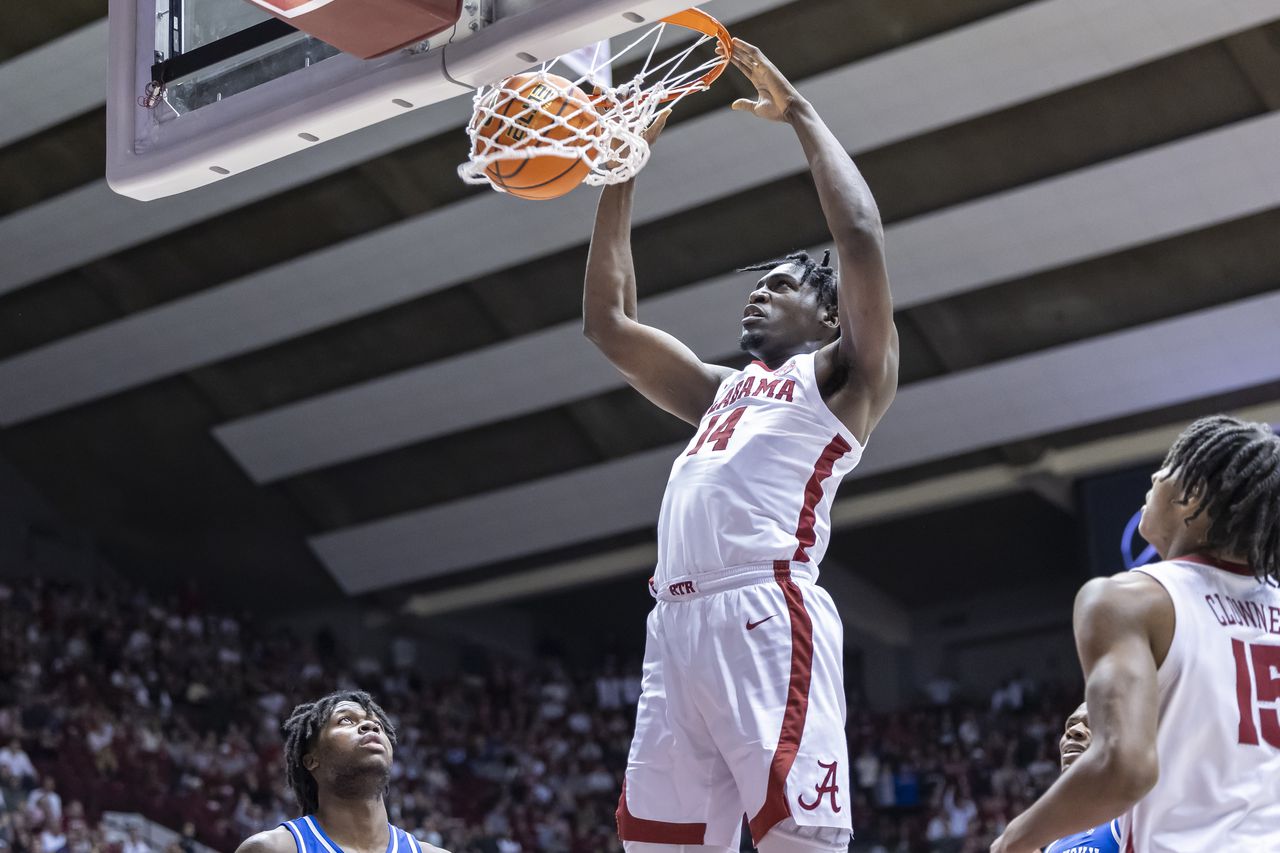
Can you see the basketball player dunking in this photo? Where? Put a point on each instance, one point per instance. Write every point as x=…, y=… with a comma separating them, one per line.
x=338, y=753
x=1182, y=664
x=743, y=700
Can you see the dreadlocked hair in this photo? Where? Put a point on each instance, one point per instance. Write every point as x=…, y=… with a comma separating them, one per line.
x=819, y=274
x=1233, y=469
x=302, y=728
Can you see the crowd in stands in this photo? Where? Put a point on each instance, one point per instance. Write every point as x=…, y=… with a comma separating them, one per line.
x=115, y=699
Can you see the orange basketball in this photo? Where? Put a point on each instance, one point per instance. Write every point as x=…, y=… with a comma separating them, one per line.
x=534, y=101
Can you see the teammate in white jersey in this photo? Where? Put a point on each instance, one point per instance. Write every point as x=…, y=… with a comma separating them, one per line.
x=743, y=708
x=1182, y=661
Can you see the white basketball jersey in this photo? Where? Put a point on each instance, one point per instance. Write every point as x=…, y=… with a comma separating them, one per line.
x=1219, y=737
x=756, y=482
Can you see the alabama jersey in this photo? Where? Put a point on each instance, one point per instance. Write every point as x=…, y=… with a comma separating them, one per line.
x=1219, y=738
x=756, y=481
x=742, y=708
x=1100, y=839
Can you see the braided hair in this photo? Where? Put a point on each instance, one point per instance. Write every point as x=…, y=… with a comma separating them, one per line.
x=1233, y=469
x=819, y=274
x=304, y=726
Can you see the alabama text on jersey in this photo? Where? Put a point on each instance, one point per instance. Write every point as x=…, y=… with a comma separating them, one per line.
x=756, y=481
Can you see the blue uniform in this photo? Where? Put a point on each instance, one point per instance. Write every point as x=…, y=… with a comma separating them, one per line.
x=310, y=838
x=1100, y=839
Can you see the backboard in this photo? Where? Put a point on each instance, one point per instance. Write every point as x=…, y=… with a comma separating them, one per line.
x=202, y=89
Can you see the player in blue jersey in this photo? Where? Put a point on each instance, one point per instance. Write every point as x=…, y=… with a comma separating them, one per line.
x=1101, y=839
x=338, y=753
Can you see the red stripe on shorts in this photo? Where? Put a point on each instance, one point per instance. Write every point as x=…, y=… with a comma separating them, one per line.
x=632, y=828
x=805, y=534
x=776, y=808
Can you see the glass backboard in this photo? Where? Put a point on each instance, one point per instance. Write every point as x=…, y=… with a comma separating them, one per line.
x=202, y=89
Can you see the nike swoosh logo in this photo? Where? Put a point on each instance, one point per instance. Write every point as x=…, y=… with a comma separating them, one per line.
x=751, y=626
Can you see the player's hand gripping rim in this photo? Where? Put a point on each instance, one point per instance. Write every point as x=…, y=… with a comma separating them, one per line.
x=775, y=96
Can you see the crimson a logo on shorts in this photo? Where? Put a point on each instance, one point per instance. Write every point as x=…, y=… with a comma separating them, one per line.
x=828, y=785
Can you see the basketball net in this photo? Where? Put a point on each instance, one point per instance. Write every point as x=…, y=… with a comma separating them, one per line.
x=586, y=62
x=611, y=143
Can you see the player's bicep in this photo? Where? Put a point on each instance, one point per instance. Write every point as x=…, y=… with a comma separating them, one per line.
x=661, y=368
x=868, y=334
x=1113, y=639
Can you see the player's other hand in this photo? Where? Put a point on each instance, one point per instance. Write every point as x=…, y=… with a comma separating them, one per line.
x=774, y=93
x=654, y=130
x=650, y=134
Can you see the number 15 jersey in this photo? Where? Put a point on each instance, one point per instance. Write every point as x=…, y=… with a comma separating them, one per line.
x=1218, y=741
x=756, y=482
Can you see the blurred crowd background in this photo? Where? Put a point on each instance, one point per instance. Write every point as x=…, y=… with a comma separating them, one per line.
x=115, y=700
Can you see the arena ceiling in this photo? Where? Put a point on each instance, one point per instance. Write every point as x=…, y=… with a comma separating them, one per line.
x=348, y=373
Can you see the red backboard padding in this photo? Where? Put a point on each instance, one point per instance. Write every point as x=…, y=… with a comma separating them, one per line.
x=366, y=28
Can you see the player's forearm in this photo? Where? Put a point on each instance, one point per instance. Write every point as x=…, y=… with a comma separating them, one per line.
x=847, y=203
x=1094, y=791
x=610, y=288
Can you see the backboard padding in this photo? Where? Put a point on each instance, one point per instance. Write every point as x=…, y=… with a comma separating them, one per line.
x=152, y=157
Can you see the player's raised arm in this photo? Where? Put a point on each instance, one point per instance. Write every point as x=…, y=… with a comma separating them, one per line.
x=1123, y=625
x=657, y=365
x=863, y=363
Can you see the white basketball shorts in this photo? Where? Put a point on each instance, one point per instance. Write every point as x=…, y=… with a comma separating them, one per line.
x=742, y=710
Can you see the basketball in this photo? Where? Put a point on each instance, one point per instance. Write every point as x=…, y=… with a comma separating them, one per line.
x=525, y=114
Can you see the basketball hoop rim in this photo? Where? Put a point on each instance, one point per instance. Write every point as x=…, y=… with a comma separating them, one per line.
x=699, y=21
x=622, y=111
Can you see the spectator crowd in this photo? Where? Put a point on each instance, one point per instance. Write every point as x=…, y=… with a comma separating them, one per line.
x=115, y=699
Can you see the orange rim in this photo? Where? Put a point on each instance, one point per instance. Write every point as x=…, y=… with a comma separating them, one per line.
x=700, y=21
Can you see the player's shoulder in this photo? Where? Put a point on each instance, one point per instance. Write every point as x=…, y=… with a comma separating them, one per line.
x=428, y=848
x=1131, y=593
x=1128, y=604
x=277, y=840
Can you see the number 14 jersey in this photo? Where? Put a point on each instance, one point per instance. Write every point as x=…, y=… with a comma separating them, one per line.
x=756, y=482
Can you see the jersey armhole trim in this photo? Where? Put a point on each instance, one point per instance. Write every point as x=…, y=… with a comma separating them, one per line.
x=811, y=368
x=1174, y=659
x=297, y=836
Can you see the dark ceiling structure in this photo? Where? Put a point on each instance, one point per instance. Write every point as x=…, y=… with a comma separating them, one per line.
x=347, y=373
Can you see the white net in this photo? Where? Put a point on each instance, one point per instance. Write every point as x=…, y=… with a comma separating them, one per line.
x=583, y=117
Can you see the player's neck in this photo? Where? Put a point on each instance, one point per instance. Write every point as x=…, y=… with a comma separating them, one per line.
x=1196, y=548
x=775, y=359
x=357, y=823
